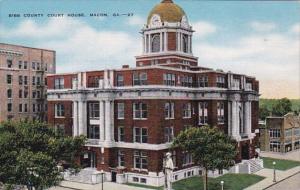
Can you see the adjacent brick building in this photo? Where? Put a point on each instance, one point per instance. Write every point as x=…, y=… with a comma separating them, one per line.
x=130, y=115
x=23, y=81
x=280, y=134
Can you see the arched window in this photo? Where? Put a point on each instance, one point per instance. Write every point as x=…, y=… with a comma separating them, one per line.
x=155, y=44
x=185, y=43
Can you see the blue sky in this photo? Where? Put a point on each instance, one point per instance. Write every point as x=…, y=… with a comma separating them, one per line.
x=258, y=38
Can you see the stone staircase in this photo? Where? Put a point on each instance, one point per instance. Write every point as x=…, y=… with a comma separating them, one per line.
x=86, y=175
x=255, y=165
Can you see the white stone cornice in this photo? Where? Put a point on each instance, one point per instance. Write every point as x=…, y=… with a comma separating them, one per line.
x=142, y=146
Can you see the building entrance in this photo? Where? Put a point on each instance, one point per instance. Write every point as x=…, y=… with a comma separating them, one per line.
x=88, y=160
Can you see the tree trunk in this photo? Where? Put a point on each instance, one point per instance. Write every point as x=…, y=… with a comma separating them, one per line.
x=205, y=179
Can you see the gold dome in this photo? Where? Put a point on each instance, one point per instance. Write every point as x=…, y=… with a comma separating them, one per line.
x=168, y=12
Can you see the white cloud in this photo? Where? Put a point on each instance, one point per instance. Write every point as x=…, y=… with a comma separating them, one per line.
x=203, y=29
x=78, y=45
x=262, y=26
x=272, y=58
x=136, y=21
x=295, y=28
x=55, y=27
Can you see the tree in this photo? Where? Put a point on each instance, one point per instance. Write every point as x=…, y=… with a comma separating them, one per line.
x=282, y=107
x=264, y=112
x=210, y=148
x=31, y=151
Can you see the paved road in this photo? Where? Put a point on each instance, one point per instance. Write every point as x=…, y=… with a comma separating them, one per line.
x=292, y=183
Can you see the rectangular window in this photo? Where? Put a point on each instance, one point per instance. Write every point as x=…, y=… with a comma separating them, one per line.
x=121, y=158
x=187, y=159
x=275, y=146
x=93, y=132
x=169, y=79
x=33, y=108
x=9, y=107
x=25, y=108
x=221, y=81
x=140, y=160
x=59, y=83
x=33, y=80
x=297, y=131
x=139, y=79
x=38, y=66
x=140, y=111
x=203, y=81
x=20, y=80
x=187, y=110
x=33, y=94
x=20, y=93
x=38, y=80
x=33, y=65
x=140, y=135
x=25, y=93
x=20, y=65
x=20, y=108
x=169, y=110
x=25, y=80
x=288, y=132
x=59, y=129
x=120, y=110
x=8, y=79
x=120, y=80
x=220, y=112
x=203, y=113
x=169, y=134
x=25, y=65
x=9, y=63
x=236, y=83
x=274, y=133
x=94, y=112
x=59, y=110
x=186, y=81
x=121, y=134
x=9, y=93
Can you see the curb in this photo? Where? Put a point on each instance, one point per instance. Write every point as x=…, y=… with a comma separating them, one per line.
x=282, y=180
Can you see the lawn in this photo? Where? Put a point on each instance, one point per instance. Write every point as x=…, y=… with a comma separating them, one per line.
x=280, y=164
x=231, y=182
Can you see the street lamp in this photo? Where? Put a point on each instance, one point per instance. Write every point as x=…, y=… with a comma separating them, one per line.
x=222, y=185
x=102, y=178
x=274, y=172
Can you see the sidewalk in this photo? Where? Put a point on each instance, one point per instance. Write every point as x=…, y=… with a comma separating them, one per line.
x=294, y=155
x=106, y=186
x=268, y=174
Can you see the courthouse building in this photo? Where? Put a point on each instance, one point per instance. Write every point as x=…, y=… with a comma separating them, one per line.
x=131, y=115
x=23, y=81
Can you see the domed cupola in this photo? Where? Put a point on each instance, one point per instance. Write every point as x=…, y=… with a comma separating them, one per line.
x=166, y=12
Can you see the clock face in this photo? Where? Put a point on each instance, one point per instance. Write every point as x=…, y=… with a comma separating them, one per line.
x=155, y=20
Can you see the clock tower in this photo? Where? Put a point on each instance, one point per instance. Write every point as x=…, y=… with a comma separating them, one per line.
x=167, y=37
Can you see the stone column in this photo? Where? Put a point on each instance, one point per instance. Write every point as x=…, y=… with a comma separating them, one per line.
x=248, y=118
x=149, y=43
x=229, y=108
x=189, y=47
x=161, y=41
x=75, y=118
x=107, y=121
x=102, y=119
x=235, y=119
x=82, y=114
x=166, y=41
x=112, y=121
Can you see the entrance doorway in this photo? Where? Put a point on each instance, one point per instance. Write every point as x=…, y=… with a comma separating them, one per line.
x=89, y=160
x=245, y=151
x=114, y=176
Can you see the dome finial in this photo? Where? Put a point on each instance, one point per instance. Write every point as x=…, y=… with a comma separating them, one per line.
x=166, y=1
